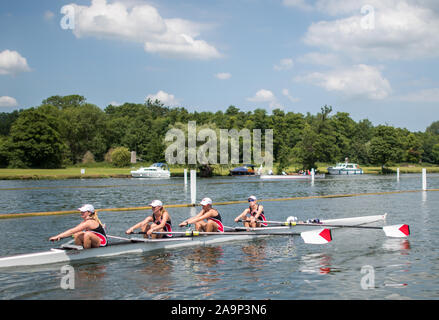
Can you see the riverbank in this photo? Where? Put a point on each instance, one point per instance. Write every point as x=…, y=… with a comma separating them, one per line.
x=102, y=172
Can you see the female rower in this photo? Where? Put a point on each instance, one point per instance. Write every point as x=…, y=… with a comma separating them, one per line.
x=256, y=212
x=159, y=221
x=90, y=233
x=208, y=220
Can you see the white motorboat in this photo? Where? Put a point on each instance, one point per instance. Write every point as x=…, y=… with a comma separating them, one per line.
x=156, y=170
x=317, y=235
x=345, y=168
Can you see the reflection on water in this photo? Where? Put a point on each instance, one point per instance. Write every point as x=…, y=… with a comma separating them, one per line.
x=315, y=263
x=255, y=253
x=202, y=265
x=155, y=273
x=89, y=280
x=394, y=244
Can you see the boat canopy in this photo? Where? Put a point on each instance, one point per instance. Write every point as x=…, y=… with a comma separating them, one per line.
x=159, y=164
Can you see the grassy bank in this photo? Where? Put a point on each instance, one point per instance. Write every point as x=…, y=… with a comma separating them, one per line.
x=104, y=171
x=96, y=171
x=67, y=173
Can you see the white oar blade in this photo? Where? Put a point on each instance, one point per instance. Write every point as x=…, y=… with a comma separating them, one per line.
x=322, y=236
x=397, y=231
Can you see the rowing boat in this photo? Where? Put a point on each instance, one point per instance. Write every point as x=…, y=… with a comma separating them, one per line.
x=67, y=253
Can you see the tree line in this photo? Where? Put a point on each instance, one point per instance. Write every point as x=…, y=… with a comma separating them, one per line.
x=66, y=130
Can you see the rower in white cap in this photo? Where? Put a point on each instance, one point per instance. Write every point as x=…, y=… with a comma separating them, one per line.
x=159, y=221
x=256, y=212
x=208, y=220
x=90, y=233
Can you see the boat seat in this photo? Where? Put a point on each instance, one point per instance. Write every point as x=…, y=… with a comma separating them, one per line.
x=69, y=246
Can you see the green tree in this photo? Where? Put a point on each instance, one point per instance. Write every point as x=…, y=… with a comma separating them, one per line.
x=433, y=128
x=63, y=102
x=35, y=140
x=85, y=129
x=435, y=153
x=360, y=141
x=283, y=158
x=4, y=152
x=344, y=130
x=6, y=121
x=306, y=150
x=413, y=148
x=326, y=147
x=121, y=157
x=384, y=146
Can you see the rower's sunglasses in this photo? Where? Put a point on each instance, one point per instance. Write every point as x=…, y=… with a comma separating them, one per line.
x=251, y=200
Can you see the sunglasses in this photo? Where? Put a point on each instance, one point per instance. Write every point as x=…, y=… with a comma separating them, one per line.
x=251, y=200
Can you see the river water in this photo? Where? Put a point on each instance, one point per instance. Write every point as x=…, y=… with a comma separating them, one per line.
x=357, y=264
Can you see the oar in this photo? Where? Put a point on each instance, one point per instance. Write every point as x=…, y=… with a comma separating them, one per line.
x=310, y=237
x=127, y=239
x=145, y=239
x=394, y=231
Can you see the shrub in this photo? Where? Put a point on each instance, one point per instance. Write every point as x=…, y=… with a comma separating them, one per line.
x=121, y=157
x=88, y=157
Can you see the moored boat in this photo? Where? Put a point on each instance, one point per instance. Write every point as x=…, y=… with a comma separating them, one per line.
x=246, y=169
x=156, y=170
x=345, y=168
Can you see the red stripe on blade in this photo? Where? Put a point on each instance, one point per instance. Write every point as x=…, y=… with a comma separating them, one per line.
x=405, y=229
x=326, y=234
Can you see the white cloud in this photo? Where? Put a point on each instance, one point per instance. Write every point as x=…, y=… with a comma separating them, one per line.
x=425, y=95
x=223, y=75
x=262, y=96
x=165, y=98
x=286, y=93
x=6, y=101
x=356, y=81
x=301, y=4
x=266, y=96
x=284, y=64
x=323, y=59
x=11, y=63
x=391, y=30
x=142, y=23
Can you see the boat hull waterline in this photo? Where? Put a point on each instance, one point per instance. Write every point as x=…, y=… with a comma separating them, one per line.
x=140, y=245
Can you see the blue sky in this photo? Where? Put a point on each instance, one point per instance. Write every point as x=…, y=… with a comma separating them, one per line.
x=376, y=60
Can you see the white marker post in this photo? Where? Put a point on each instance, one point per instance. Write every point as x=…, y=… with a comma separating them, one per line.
x=185, y=177
x=312, y=174
x=193, y=186
x=397, y=174
x=424, y=179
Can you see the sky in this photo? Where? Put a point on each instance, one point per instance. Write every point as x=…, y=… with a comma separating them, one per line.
x=374, y=59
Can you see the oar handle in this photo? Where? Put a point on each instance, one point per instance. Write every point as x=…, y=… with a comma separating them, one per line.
x=259, y=221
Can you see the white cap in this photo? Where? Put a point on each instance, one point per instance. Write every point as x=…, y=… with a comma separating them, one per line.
x=206, y=201
x=156, y=203
x=87, y=207
x=252, y=197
